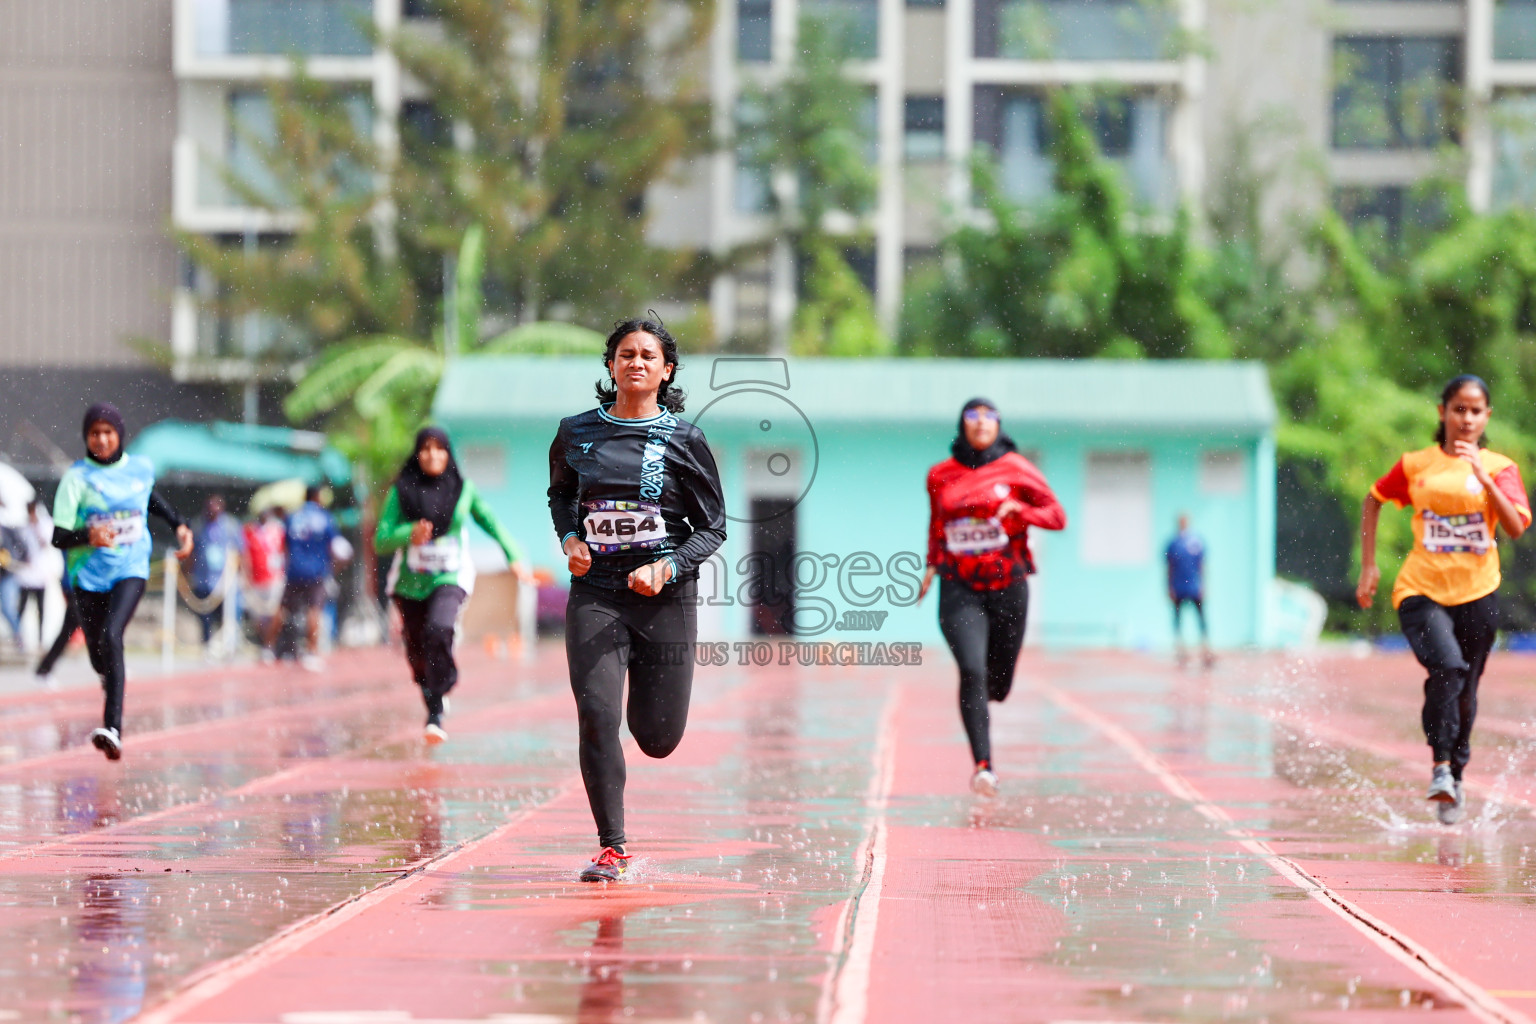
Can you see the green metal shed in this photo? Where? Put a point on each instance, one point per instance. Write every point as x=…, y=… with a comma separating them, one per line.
x=827, y=458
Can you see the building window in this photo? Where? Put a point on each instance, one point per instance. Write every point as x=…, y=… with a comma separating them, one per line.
x=1394, y=92
x=1117, y=509
x=423, y=128
x=1076, y=29
x=1386, y=217
x=1131, y=131
x=754, y=30
x=252, y=132
x=1224, y=473
x=753, y=186
x=854, y=23
x=923, y=137
x=1513, y=121
x=1514, y=30
x=223, y=333
x=310, y=28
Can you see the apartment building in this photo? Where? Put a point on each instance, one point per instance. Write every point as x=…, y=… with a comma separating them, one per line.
x=88, y=267
x=120, y=125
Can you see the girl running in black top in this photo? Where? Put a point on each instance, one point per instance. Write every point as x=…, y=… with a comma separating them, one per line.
x=636, y=500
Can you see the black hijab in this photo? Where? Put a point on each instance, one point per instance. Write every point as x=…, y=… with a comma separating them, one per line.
x=105, y=412
x=975, y=458
x=430, y=497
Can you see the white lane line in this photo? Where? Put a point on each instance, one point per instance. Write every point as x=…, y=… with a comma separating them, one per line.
x=1478, y=1001
x=845, y=990
x=219, y=977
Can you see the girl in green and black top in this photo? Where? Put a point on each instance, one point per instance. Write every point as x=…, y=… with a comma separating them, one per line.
x=425, y=522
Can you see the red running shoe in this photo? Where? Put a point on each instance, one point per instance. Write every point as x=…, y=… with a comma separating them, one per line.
x=609, y=866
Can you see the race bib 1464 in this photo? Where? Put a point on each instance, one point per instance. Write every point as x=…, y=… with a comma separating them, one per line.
x=1457, y=534
x=624, y=526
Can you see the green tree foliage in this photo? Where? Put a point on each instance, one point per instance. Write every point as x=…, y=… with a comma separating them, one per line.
x=1081, y=274
x=545, y=123
x=1358, y=343
x=374, y=391
x=807, y=135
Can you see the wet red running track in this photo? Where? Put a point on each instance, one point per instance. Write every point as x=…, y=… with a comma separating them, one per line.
x=1243, y=844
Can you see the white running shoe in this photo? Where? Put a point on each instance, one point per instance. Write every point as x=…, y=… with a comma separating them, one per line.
x=1450, y=812
x=268, y=656
x=1442, y=785
x=108, y=742
x=434, y=734
x=312, y=663
x=984, y=782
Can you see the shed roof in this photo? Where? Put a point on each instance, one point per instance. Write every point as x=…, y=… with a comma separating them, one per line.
x=1103, y=393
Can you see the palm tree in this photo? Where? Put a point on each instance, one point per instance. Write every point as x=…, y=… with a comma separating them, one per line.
x=374, y=391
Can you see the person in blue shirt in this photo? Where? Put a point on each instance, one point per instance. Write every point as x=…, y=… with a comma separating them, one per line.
x=219, y=537
x=1185, y=555
x=100, y=522
x=308, y=536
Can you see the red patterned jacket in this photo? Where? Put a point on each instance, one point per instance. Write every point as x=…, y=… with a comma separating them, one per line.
x=967, y=540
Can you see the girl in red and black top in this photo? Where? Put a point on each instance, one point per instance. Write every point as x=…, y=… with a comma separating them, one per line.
x=983, y=500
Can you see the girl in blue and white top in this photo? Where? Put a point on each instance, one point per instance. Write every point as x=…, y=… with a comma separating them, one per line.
x=100, y=521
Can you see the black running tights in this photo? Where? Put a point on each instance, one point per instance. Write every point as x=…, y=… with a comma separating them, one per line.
x=104, y=618
x=985, y=630
x=611, y=633
x=1452, y=642
x=428, y=627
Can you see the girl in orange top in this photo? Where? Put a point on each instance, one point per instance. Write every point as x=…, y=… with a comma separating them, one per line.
x=1446, y=593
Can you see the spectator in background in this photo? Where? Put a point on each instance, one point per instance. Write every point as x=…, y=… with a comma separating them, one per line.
x=308, y=539
x=12, y=553
x=264, y=567
x=217, y=538
x=1186, y=585
x=41, y=566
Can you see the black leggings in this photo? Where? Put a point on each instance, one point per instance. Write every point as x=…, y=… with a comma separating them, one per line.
x=1452, y=642
x=1178, y=608
x=985, y=630
x=66, y=630
x=428, y=627
x=609, y=632
x=104, y=618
